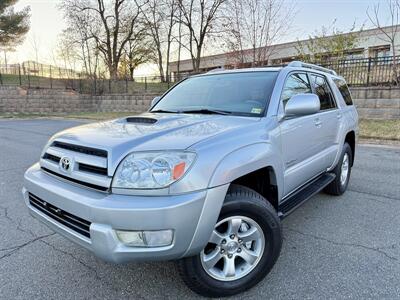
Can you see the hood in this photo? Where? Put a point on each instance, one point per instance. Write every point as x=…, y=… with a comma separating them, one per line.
x=151, y=131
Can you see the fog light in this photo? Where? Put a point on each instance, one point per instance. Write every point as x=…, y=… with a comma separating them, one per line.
x=157, y=238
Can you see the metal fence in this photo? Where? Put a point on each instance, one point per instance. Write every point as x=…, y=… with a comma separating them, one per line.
x=357, y=72
x=35, y=69
x=371, y=71
x=35, y=75
x=99, y=86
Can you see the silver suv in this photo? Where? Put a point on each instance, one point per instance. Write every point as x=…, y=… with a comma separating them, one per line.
x=205, y=177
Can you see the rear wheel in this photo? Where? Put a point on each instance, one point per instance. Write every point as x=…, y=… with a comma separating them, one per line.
x=342, y=172
x=242, y=249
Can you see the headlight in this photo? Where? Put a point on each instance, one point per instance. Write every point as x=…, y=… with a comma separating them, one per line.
x=150, y=170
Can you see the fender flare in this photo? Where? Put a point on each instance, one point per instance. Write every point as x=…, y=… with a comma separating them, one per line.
x=344, y=129
x=245, y=160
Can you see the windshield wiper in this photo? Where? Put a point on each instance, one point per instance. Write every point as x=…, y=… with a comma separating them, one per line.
x=165, y=111
x=194, y=111
x=206, y=111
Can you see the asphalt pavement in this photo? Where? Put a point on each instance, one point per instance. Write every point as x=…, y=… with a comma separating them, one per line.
x=334, y=247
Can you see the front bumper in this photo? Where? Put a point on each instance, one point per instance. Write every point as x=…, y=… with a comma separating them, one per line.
x=191, y=216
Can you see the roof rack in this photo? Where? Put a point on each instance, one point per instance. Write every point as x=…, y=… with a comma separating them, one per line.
x=300, y=64
x=217, y=69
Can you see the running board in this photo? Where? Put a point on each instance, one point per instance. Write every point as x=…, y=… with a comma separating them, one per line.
x=305, y=193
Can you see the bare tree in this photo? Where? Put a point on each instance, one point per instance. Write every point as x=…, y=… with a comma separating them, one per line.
x=118, y=20
x=253, y=26
x=136, y=52
x=67, y=53
x=179, y=40
x=77, y=41
x=160, y=19
x=389, y=32
x=201, y=19
x=35, y=44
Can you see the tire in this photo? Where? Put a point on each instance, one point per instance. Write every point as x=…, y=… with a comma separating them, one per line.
x=251, y=207
x=337, y=187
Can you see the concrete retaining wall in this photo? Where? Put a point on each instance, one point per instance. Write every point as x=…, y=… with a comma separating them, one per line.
x=19, y=100
x=377, y=102
x=374, y=102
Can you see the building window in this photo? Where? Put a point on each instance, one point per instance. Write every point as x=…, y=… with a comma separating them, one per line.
x=276, y=62
x=379, y=51
x=354, y=54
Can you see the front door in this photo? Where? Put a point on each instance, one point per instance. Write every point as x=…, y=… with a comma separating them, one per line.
x=300, y=138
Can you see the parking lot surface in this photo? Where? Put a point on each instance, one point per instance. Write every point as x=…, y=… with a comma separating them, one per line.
x=334, y=247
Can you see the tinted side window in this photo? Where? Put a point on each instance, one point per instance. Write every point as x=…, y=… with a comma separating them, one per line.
x=323, y=92
x=295, y=84
x=344, y=90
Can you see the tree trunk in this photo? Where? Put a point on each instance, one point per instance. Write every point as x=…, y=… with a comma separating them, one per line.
x=167, y=67
x=178, y=64
x=168, y=55
x=254, y=56
x=113, y=71
x=394, y=63
x=161, y=70
x=197, y=59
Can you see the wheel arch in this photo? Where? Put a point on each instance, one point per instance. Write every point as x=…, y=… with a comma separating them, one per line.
x=351, y=140
x=252, y=166
x=262, y=181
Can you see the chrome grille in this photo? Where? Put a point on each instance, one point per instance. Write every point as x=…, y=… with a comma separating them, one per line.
x=71, y=221
x=87, y=166
x=80, y=149
x=51, y=157
x=92, y=169
x=86, y=184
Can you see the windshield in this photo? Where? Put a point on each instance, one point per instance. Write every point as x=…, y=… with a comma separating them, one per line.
x=235, y=93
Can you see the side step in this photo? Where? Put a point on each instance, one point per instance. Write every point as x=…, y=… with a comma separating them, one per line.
x=305, y=193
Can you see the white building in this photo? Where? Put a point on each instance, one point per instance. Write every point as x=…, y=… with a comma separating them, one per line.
x=372, y=43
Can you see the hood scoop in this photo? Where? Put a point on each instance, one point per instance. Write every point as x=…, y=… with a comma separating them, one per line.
x=141, y=120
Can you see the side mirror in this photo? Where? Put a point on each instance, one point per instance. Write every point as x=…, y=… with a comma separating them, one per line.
x=302, y=104
x=155, y=101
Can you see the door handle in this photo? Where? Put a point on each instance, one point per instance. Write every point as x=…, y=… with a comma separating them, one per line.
x=317, y=122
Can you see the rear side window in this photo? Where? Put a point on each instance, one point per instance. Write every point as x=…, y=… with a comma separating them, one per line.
x=323, y=92
x=295, y=84
x=344, y=90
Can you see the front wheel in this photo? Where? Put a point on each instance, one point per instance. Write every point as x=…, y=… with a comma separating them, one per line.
x=242, y=249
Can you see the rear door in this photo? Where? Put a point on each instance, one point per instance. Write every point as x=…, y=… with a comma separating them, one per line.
x=327, y=119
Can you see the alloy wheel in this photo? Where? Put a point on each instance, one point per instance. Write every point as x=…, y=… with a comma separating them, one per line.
x=344, y=173
x=234, y=250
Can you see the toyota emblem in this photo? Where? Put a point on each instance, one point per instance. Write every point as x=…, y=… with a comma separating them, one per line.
x=65, y=164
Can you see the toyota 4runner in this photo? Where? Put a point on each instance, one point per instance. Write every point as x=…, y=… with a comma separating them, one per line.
x=205, y=176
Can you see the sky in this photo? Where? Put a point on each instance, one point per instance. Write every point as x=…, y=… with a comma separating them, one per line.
x=310, y=15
